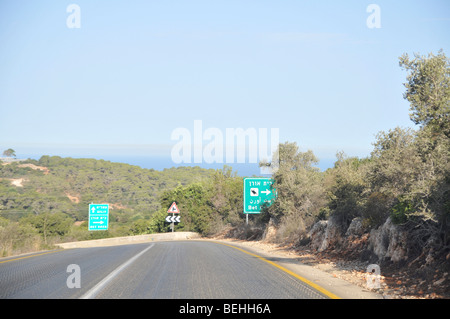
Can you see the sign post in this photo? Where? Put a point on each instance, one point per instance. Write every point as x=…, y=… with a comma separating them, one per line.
x=257, y=192
x=174, y=210
x=98, y=216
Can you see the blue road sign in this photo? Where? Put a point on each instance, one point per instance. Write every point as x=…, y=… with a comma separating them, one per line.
x=257, y=191
x=98, y=216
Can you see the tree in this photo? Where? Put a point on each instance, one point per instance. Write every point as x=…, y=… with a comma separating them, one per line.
x=49, y=225
x=9, y=153
x=428, y=90
x=299, y=186
x=346, y=184
x=226, y=196
x=139, y=227
x=396, y=165
x=157, y=223
x=192, y=202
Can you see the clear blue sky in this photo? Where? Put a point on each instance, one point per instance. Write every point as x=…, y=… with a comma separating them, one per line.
x=137, y=70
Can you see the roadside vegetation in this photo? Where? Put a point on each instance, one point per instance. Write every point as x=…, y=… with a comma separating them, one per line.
x=391, y=208
x=405, y=179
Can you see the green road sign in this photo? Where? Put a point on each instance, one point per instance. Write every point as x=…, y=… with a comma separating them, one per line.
x=98, y=216
x=257, y=191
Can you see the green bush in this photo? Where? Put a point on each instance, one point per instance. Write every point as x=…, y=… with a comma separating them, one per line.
x=376, y=209
x=400, y=212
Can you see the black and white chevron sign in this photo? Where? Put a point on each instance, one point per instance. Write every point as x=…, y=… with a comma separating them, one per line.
x=173, y=219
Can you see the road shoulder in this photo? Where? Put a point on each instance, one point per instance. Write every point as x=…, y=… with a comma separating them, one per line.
x=322, y=276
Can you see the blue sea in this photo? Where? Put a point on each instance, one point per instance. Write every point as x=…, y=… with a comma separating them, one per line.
x=161, y=163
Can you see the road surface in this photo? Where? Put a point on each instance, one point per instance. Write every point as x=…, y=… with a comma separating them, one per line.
x=172, y=269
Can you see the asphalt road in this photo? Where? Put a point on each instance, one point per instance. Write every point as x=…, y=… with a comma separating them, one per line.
x=176, y=269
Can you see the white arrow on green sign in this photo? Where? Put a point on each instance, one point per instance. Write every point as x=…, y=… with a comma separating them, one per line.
x=257, y=191
x=98, y=216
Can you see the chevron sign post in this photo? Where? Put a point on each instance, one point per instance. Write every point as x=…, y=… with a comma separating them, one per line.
x=173, y=209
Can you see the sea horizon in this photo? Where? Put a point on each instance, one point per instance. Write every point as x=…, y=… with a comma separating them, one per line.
x=159, y=163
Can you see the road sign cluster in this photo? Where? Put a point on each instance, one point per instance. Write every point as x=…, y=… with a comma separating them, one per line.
x=173, y=209
x=257, y=192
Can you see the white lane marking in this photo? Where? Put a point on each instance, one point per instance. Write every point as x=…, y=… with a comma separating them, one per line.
x=96, y=289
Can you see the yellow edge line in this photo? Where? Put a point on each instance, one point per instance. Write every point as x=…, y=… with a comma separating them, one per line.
x=48, y=252
x=306, y=281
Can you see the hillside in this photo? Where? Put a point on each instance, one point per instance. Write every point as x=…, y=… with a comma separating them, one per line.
x=46, y=201
x=68, y=185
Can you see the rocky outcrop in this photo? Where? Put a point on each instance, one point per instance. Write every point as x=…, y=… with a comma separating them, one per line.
x=387, y=242
x=317, y=234
x=355, y=228
x=326, y=234
x=270, y=233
